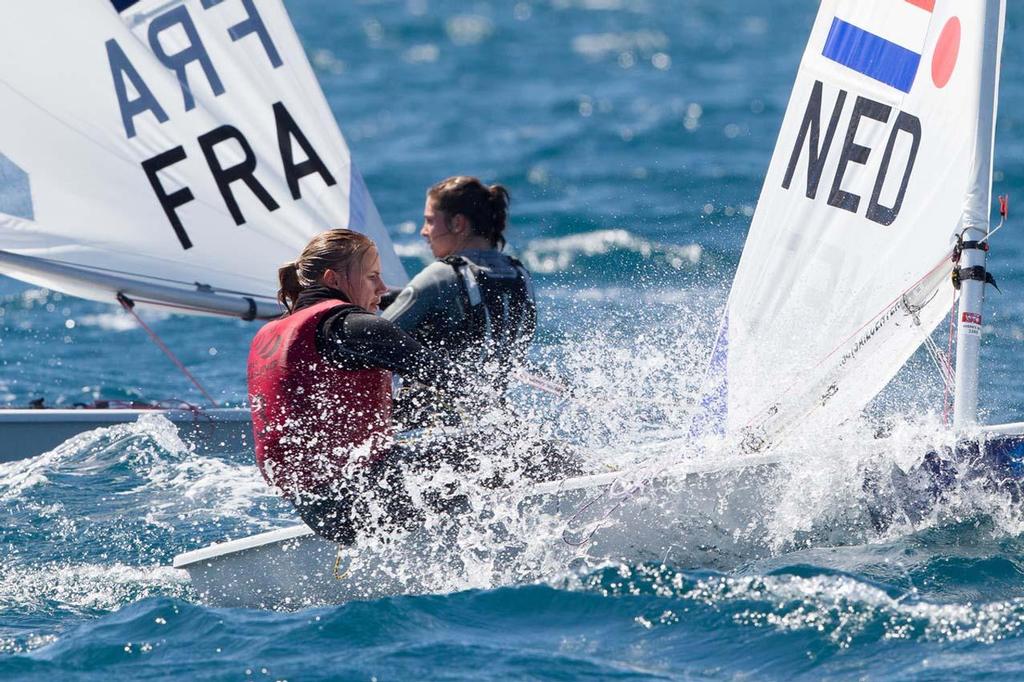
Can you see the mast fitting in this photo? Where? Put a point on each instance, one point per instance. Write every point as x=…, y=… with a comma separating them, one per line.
x=976, y=272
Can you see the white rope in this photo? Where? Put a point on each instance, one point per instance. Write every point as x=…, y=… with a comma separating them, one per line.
x=941, y=361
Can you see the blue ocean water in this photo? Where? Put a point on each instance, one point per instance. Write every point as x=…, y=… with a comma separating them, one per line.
x=633, y=135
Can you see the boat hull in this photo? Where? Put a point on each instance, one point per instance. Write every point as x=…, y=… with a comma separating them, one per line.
x=684, y=516
x=683, y=519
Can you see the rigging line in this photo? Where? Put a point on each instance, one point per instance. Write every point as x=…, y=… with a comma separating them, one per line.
x=129, y=305
x=947, y=395
x=941, y=362
x=543, y=384
x=565, y=394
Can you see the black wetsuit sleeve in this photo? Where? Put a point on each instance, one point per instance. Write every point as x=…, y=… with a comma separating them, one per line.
x=355, y=339
x=387, y=299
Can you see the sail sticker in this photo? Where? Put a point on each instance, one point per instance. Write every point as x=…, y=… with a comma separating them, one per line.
x=138, y=105
x=871, y=55
x=947, y=47
x=971, y=318
x=905, y=129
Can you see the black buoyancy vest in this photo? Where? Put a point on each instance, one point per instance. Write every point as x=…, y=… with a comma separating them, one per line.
x=501, y=315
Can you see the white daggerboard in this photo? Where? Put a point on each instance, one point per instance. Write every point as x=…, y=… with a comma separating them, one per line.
x=185, y=143
x=846, y=266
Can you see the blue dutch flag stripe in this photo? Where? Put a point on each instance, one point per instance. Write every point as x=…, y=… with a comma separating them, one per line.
x=122, y=5
x=871, y=55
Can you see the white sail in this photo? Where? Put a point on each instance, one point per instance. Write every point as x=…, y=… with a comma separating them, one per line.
x=183, y=143
x=846, y=268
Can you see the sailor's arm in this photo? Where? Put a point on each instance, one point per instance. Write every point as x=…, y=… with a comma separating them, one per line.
x=387, y=299
x=427, y=294
x=359, y=340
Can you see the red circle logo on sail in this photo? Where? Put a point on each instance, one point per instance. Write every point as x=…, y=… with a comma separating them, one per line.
x=947, y=49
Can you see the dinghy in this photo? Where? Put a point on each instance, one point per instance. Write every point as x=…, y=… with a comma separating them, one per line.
x=873, y=223
x=164, y=154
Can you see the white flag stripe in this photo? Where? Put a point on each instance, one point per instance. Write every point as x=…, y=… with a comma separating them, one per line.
x=897, y=21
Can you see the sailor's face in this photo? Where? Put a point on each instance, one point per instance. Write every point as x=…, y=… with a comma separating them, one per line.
x=365, y=285
x=437, y=231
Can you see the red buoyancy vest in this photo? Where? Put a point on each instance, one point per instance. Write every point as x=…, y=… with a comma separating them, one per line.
x=307, y=414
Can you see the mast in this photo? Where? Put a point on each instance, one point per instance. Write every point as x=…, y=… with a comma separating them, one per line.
x=90, y=284
x=975, y=223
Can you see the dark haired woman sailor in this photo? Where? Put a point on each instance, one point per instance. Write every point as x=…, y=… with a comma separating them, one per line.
x=475, y=305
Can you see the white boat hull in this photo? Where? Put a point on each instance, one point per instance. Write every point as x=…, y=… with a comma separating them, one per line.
x=682, y=517
x=707, y=515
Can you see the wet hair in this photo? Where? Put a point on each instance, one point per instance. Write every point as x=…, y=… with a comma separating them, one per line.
x=332, y=250
x=486, y=208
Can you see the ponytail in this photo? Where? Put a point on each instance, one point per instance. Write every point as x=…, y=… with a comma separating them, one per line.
x=288, y=278
x=486, y=208
x=499, y=215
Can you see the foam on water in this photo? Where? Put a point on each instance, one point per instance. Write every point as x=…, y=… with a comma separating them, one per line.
x=83, y=589
x=841, y=608
x=128, y=491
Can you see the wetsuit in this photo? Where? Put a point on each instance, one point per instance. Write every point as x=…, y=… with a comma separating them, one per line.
x=476, y=308
x=323, y=428
x=354, y=339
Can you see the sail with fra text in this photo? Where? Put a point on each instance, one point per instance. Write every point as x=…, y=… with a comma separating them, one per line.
x=182, y=143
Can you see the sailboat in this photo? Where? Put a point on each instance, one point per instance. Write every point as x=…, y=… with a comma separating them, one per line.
x=872, y=224
x=164, y=154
